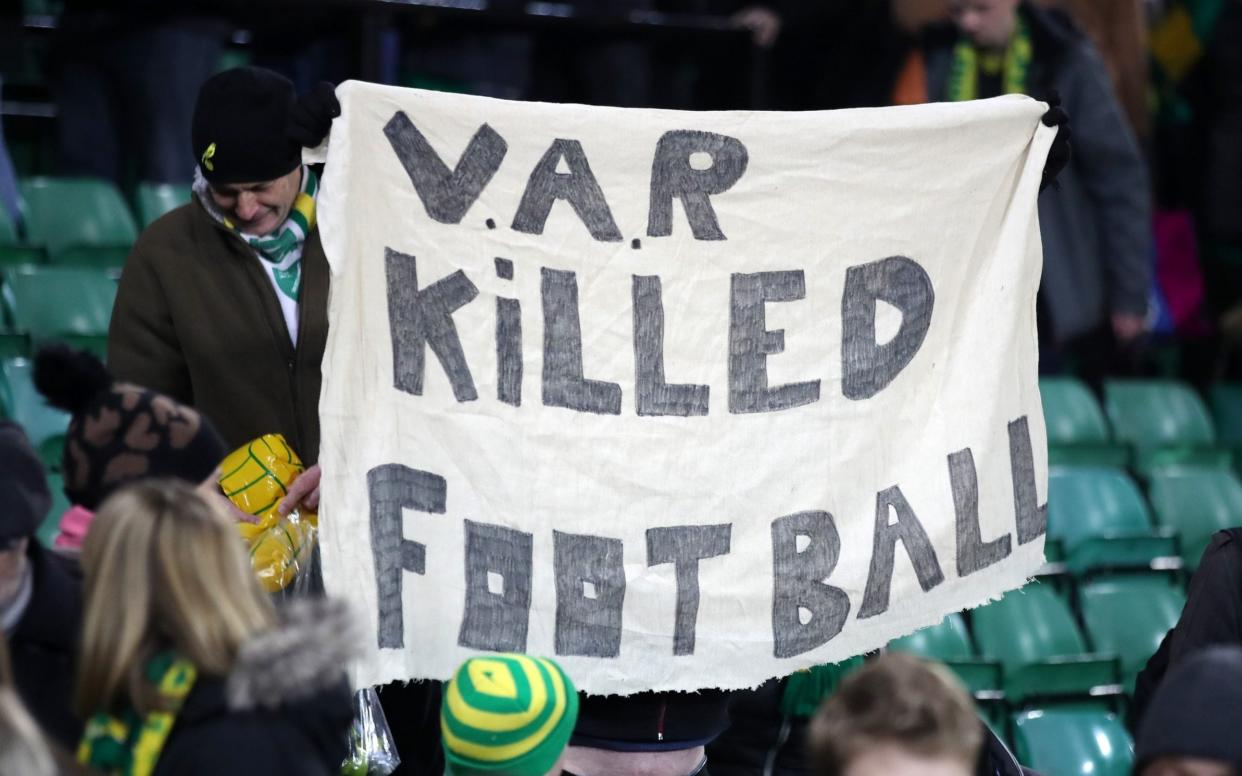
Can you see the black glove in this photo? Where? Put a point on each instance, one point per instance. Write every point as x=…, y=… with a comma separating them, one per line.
x=1059, y=153
x=311, y=116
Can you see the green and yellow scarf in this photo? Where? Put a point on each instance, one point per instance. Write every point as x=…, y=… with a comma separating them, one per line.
x=126, y=745
x=281, y=250
x=967, y=61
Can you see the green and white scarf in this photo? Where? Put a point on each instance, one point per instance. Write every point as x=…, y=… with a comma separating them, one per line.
x=281, y=251
x=964, y=71
x=128, y=745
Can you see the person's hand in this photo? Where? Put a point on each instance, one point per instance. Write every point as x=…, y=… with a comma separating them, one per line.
x=763, y=23
x=311, y=116
x=1059, y=153
x=304, y=492
x=1128, y=326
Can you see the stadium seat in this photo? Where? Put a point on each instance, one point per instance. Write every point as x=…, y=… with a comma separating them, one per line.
x=60, y=502
x=12, y=251
x=1165, y=421
x=1033, y=634
x=44, y=425
x=65, y=213
x=156, y=199
x=1102, y=520
x=1078, y=433
x=947, y=640
x=1129, y=616
x=1227, y=412
x=1196, y=502
x=1070, y=741
x=60, y=302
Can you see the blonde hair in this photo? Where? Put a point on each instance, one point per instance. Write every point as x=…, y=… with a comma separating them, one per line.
x=164, y=569
x=899, y=700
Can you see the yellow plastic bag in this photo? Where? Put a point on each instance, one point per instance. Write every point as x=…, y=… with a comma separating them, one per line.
x=255, y=477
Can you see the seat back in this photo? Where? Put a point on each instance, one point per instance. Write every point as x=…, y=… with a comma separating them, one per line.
x=1093, y=502
x=1071, y=413
x=67, y=212
x=1158, y=414
x=1197, y=502
x=51, y=302
x=1129, y=616
x=946, y=640
x=45, y=426
x=156, y=199
x=1026, y=626
x=1067, y=741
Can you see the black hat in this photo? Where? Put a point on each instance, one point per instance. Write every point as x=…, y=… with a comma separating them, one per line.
x=119, y=432
x=241, y=127
x=24, y=497
x=1197, y=711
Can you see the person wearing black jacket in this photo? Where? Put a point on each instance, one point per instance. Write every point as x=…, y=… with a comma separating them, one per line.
x=40, y=593
x=1212, y=617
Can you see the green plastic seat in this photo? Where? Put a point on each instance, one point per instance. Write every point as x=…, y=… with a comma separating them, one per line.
x=1068, y=742
x=1227, y=413
x=947, y=640
x=1032, y=633
x=1078, y=432
x=156, y=199
x=1100, y=517
x=1165, y=421
x=50, y=526
x=63, y=213
x=45, y=426
x=55, y=302
x=1129, y=616
x=1196, y=502
x=15, y=255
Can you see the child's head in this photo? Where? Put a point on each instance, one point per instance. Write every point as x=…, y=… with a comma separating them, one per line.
x=896, y=716
x=507, y=715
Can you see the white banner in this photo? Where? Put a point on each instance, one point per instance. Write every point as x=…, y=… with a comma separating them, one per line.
x=683, y=400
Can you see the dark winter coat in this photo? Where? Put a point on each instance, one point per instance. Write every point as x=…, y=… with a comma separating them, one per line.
x=43, y=646
x=284, y=710
x=1096, y=223
x=196, y=318
x=1212, y=616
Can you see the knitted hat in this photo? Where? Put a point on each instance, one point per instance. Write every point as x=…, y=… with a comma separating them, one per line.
x=240, y=132
x=120, y=433
x=24, y=497
x=506, y=715
x=1197, y=711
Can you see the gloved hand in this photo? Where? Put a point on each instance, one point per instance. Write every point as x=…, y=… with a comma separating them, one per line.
x=1059, y=153
x=311, y=116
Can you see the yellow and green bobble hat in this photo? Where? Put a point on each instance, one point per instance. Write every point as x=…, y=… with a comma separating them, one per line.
x=507, y=715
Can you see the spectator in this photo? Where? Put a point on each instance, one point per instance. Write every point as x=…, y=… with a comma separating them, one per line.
x=1212, y=616
x=897, y=715
x=507, y=715
x=124, y=78
x=1192, y=726
x=1096, y=225
x=40, y=593
x=186, y=668
x=224, y=302
x=119, y=433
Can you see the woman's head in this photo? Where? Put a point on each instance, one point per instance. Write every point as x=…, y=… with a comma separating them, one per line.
x=165, y=569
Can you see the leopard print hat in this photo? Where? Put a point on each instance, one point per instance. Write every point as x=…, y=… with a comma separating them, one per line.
x=120, y=432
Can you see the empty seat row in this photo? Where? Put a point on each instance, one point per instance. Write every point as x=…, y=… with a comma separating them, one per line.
x=1146, y=424
x=40, y=303
x=1029, y=645
x=82, y=221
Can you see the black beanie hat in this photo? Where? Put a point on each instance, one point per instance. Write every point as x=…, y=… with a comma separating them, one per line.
x=1197, y=711
x=241, y=127
x=24, y=497
x=119, y=432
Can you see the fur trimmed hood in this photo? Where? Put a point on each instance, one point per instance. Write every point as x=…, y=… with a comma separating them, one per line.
x=304, y=655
